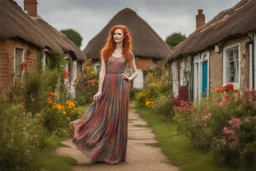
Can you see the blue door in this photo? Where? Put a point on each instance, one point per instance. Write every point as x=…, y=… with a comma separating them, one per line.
x=204, y=78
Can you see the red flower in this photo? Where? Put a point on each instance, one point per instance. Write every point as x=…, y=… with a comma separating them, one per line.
x=226, y=96
x=228, y=87
x=66, y=74
x=25, y=64
x=52, y=94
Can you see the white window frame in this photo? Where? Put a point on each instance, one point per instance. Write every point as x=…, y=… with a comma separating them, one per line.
x=174, y=78
x=43, y=59
x=197, y=84
x=238, y=45
x=254, y=39
x=14, y=62
x=74, y=70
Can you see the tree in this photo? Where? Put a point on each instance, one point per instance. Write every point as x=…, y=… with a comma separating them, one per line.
x=73, y=36
x=174, y=39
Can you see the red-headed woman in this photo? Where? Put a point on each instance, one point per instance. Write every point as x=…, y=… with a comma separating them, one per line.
x=101, y=134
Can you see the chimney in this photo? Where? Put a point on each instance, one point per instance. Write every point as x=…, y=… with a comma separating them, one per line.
x=200, y=19
x=31, y=7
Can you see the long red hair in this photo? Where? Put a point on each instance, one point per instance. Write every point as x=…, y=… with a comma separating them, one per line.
x=110, y=45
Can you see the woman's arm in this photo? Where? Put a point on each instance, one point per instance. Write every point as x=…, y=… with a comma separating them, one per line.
x=134, y=70
x=101, y=78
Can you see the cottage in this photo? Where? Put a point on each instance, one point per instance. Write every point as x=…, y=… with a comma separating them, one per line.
x=26, y=38
x=148, y=46
x=219, y=52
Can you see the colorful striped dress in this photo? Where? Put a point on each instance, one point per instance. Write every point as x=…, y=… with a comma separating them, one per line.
x=101, y=133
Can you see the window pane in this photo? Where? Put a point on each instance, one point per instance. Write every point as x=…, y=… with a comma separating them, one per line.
x=232, y=65
x=18, y=61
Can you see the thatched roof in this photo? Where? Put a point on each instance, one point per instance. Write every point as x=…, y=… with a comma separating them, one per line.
x=237, y=20
x=15, y=24
x=146, y=42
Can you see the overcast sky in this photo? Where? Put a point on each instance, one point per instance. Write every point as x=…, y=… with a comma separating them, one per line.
x=88, y=17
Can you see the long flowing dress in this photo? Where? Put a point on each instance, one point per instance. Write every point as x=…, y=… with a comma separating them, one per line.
x=101, y=133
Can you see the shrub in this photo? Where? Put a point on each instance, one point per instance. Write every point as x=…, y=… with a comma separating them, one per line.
x=183, y=95
x=22, y=138
x=163, y=105
x=87, y=86
x=225, y=124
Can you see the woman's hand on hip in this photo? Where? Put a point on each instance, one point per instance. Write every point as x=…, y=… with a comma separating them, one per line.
x=125, y=77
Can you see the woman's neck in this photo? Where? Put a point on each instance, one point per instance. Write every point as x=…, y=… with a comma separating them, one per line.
x=119, y=46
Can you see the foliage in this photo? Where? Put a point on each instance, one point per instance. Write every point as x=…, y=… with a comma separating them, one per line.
x=174, y=39
x=87, y=85
x=156, y=93
x=74, y=36
x=182, y=96
x=22, y=138
x=36, y=109
x=57, y=116
x=163, y=105
x=225, y=124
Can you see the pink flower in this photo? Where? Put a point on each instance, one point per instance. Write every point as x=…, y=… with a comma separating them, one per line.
x=228, y=132
x=252, y=91
x=224, y=141
x=235, y=123
x=222, y=103
x=246, y=90
x=246, y=120
x=235, y=142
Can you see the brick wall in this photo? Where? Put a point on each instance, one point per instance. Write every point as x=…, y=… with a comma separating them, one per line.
x=144, y=63
x=7, y=49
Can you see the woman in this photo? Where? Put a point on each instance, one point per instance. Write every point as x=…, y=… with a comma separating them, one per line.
x=101, y=134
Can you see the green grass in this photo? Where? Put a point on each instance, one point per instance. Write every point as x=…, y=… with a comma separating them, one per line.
x=50, y=161
x=177, y=147
x=82, y=108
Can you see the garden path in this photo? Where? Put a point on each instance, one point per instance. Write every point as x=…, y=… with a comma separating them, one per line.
x=140, y=154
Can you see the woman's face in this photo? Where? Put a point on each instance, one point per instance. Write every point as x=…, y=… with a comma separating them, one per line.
x=118, y=35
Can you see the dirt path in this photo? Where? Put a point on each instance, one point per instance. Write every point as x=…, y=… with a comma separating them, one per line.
x=140, y=155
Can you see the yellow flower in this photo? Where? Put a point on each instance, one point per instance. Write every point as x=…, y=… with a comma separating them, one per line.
x=92, y=72
x=147, y=103
x=68, y=118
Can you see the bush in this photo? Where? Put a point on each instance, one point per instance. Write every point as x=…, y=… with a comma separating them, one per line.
x=163, y=105
x=183, y=95
x=225, y=124
x=87, y=86
x=22, y=138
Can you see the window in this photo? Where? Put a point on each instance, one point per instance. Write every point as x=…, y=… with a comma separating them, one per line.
x=231, y=61
x=232, y=65
x=18, y=59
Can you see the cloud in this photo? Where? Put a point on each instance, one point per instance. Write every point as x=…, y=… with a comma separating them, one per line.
x=164, y=16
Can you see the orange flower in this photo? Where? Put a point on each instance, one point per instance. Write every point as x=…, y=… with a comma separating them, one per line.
x=49, y=100
x=217, y=90
x=52, y=94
